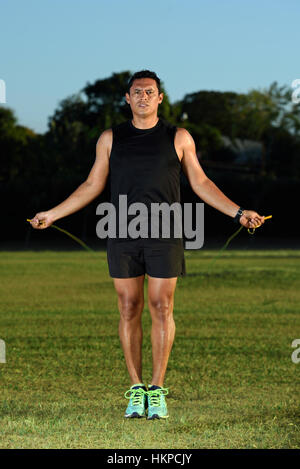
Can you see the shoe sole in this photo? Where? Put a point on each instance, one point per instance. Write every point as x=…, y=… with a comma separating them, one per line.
x=134, y=415
x=156, y=416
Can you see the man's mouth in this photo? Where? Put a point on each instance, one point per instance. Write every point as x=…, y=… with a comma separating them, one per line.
x=142, y=105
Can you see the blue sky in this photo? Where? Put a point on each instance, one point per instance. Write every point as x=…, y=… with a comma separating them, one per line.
x=50, y=49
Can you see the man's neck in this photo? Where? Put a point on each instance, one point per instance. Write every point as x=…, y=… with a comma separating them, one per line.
x=145, y=122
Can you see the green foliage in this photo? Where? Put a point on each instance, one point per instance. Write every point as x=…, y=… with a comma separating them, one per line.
x=212, y=108
x=15, y=143
x=39, y=171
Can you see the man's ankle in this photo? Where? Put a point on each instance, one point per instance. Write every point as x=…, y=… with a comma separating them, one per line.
x=139, y=384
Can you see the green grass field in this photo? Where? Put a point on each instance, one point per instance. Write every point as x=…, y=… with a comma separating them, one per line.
x=231, y=379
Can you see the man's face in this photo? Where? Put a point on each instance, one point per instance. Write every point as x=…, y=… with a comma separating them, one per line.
x=144, y=97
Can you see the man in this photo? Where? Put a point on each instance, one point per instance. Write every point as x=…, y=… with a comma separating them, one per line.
x=144, y=157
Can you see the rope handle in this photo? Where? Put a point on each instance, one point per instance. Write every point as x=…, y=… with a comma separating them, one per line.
x=252, y=230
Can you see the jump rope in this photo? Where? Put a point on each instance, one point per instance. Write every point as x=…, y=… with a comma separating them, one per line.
x=79, y=241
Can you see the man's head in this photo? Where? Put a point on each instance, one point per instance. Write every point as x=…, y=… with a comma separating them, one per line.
x=144, y=74
x=144, y=93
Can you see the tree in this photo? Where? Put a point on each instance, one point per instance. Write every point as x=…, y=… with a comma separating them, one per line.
x=14, y=142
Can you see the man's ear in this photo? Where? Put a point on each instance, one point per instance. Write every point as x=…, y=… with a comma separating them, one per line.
x=160, y=98
x=127, y=98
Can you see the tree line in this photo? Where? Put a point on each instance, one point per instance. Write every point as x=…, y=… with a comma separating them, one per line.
x=40, y=170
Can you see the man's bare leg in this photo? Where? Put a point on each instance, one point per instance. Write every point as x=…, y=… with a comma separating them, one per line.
x=131, y=303
x=161, y=300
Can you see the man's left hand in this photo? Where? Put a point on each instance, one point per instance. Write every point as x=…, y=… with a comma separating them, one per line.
x=251, y=219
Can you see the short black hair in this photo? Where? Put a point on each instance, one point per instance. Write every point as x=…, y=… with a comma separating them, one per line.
x=144, y=74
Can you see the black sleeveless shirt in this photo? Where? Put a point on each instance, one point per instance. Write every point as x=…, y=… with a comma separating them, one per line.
x=145, y=167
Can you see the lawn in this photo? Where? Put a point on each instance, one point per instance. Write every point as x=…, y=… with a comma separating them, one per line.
x=232, y=382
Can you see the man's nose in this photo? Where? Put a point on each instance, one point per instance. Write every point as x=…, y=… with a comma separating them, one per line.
x=144, y=94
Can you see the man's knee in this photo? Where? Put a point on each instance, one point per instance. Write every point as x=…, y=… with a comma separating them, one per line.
x=161, y=308
x=130, y=307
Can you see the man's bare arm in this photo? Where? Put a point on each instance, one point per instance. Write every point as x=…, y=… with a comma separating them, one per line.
x=204, y=187
x=86, y=192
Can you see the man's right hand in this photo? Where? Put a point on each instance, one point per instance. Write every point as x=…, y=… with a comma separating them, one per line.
x=42, y=220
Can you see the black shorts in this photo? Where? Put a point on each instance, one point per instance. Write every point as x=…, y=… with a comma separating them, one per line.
x=135, y=257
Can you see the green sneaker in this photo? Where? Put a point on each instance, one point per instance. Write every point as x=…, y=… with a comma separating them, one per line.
x=157, y=407
x=137, y=404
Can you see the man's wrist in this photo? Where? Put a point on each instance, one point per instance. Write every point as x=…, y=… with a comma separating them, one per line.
x=53, y=215
x=238, y=215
